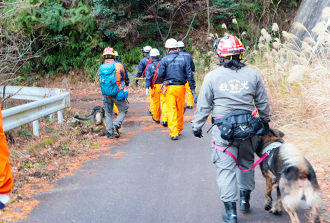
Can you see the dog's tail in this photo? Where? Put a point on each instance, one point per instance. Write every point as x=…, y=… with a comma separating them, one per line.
x=81, y=117
x=88, y=117
x=305, y=184
x=292, y=156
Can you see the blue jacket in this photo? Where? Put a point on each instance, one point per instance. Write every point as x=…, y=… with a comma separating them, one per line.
x=189, y=58
x=126, y=76
x=151, y=68
x=142, y=65
x=175, y=67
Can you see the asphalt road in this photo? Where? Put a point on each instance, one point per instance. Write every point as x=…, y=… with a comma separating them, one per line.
x=157, y=181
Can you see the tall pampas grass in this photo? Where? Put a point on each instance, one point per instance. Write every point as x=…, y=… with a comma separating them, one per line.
x=299, y=89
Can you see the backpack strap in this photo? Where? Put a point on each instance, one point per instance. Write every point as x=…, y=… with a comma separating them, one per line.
x=145, y=69
x=154, y=79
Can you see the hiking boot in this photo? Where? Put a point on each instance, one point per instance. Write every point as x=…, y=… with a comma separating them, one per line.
x=244, y=201
x=155, y=120
x=115, y=131
x=165, y=124
x=150, y=113
x=174, y=138
x=230, y=214
x=189, y=107
x=110, y=136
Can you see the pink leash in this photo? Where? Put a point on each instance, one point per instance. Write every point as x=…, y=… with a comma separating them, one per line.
x=232, y=155
x=254, y=113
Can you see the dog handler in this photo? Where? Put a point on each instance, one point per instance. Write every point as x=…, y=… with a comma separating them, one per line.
x=6, y=178
x=230, y=87
x=190, y=98
x=109, y=101
x=175, y=70
x=153, y=88
x=126, y=80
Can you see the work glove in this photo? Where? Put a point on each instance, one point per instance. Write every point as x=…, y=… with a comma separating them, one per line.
x=198, y=133
x=147, y=92
x=136, y=82
x=194, y=96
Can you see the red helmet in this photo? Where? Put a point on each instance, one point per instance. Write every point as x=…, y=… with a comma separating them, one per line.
x=108, y=51
x=229, y=45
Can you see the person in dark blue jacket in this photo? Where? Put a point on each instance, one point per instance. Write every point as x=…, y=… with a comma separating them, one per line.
x=142, y=70
x=175, y=70
x=153, y=88
x=191, y=100
x=143, y=62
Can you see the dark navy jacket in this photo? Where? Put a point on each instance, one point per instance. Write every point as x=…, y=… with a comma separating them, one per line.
x=126, y=76
x=176, y=70
x=189, y=58
x=151, y=68
x=142, y=65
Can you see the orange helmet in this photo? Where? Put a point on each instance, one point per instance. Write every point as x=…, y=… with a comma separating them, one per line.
x=108, y=51
x=229, y=46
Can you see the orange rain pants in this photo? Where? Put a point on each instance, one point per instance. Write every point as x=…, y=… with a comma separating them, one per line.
x=159, y=105
x=151, y=105
x=190, y=98
x=175, y=99
x=6, y=178
x=115, y=109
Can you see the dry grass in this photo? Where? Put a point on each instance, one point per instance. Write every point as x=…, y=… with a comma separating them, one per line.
x=299, y=92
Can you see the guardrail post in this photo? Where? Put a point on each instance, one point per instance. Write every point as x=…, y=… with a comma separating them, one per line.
x=60, y=116
x=51, y=117
x=36, y=128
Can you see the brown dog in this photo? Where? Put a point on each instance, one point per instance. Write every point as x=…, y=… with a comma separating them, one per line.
x=287, y=170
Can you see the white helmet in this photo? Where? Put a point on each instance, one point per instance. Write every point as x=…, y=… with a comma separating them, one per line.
x=154, y=53
x=171, y=44
x=180, y=44
x=146, y=49
x=116, y=54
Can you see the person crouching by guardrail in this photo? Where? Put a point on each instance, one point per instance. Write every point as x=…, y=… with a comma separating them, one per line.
x=6, y=178
x=153, y=88
x=175, y=70
x=112, y=78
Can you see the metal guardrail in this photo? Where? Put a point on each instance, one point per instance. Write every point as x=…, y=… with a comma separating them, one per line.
x=49, y=101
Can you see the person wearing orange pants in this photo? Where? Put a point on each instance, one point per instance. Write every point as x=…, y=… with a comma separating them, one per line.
x=190, y=98
x=175, y=100
x=175, y=70
x=142, y=69
x=6, y=178
x=115, y=109
x=153, y=88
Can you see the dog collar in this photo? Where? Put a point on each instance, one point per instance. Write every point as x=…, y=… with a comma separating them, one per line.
x=270, y=147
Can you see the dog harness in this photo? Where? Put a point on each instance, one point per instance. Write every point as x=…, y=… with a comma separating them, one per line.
x=270, y=147
x=265, y=153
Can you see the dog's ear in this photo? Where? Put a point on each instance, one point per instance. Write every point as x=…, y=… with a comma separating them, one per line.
x=277, y=133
